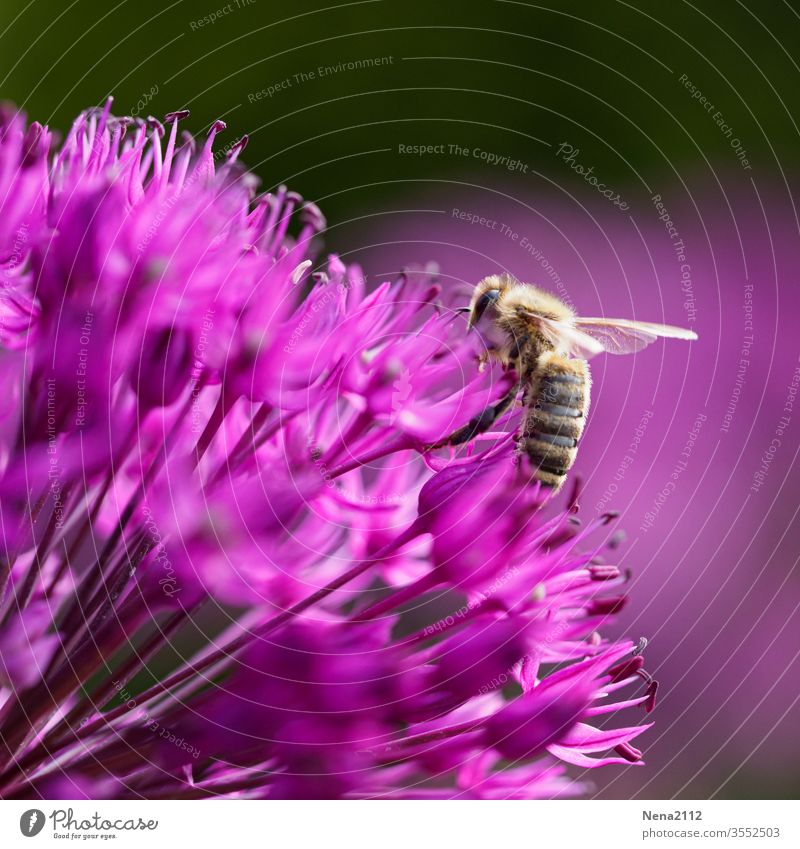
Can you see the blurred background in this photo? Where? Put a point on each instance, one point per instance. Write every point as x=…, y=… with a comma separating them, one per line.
x=638, y=159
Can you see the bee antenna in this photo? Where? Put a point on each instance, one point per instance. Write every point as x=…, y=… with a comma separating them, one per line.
x=451, y=314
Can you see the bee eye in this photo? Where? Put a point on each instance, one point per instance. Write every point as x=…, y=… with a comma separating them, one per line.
x=483, y=302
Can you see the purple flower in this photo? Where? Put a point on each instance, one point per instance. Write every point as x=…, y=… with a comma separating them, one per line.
x=215, y=439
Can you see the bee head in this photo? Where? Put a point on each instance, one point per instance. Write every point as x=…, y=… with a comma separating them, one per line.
x=487, y=294
x=484, y=301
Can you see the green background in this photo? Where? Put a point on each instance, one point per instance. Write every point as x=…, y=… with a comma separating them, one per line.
x=509, y=77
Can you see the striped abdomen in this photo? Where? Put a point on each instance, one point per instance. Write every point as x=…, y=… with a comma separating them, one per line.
x=558, y=400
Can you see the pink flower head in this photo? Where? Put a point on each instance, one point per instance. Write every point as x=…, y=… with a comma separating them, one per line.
x=212, y=436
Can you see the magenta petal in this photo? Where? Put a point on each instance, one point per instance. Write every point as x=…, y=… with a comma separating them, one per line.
x=574, y=757
x=585, y=738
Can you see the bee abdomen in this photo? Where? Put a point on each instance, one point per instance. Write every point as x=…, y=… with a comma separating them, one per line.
x=557, y=401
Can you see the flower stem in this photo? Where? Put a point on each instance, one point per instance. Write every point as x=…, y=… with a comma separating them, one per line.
x=227, y=651
x=59, y=737
x=395, y=599
x=26, y=590
x=210, y=430
x=401, y=444
x=7, y=563
x=428, y=737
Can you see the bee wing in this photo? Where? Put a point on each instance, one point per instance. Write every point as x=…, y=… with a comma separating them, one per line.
x=568, y=339
x=622, y=336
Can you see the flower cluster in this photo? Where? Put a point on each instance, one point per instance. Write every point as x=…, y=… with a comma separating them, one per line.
x=230, y=563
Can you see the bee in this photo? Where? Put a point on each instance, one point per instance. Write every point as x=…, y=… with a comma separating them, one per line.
x=548, y=346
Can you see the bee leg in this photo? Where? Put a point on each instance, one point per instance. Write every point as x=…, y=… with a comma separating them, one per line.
x=480, y=423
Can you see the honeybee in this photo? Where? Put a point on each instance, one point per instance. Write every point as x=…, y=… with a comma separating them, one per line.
x=529, y=330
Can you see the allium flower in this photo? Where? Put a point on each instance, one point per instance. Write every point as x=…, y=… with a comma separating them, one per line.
x=209, y=448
